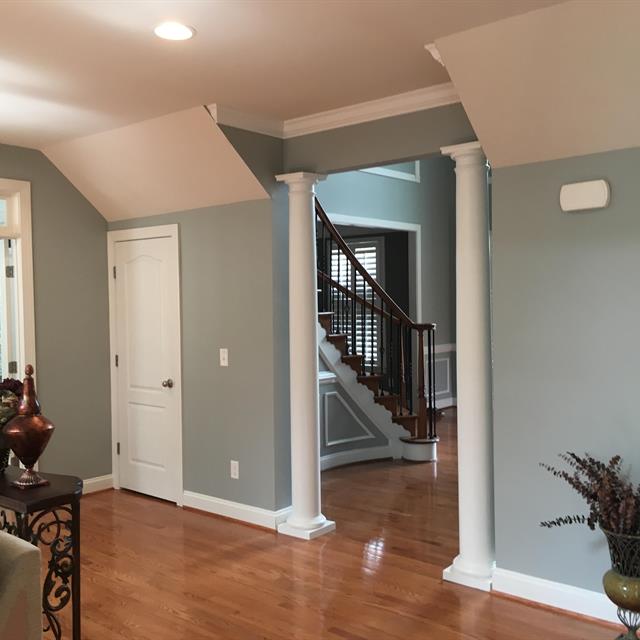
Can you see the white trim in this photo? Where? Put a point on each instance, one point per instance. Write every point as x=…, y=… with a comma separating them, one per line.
x=376, y=223
x=236, y=510
x=19, y=227
x=443, y=348
x=332, y=443
x=99, y=483
x=123, y=235
x=554, y=594
x=393, y=173
x=448, y=361
x=341, y=458
x=475, y=581
x=361, y=394
x=247, y=121
x=438, y=95
x=435, y=54
x=327, y=377
x=447, y=401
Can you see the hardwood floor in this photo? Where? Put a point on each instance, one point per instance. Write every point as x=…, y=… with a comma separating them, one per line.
x=152, y=571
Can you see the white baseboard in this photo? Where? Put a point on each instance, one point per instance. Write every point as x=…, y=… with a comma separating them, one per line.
x=554, y=594
x=341, y=458
x=236, y=510
x=101, y=483
x=447, y=401
x=452, y=574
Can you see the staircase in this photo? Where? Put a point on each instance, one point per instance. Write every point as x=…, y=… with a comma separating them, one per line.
x=377, y=340
x=373, y=381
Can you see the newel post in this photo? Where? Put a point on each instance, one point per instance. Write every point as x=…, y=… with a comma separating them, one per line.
x=475, y=563
x=306, y=520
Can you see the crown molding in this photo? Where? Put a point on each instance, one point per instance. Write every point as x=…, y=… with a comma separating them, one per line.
x=248, y=121
x=438, y=95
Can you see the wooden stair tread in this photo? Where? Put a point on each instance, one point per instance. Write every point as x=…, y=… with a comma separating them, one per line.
x=372, y=382
x=355, y=361
x=390, y=402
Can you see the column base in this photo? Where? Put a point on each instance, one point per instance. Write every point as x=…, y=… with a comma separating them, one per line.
x=475, y=581
x=305, y=533
x=420, y=450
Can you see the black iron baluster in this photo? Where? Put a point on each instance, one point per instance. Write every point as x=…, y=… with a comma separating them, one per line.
x=432, y=332
x=352, y=280
x=363, y=318
x=389, y=376
x=430, y=371
x=371, y=337
x=384, y=360
x=410, y=368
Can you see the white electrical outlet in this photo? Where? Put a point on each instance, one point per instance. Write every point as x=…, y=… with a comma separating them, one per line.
x=234, y=469
x=224, y=357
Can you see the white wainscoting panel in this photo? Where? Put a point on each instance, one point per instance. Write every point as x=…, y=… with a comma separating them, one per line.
x=366, y=433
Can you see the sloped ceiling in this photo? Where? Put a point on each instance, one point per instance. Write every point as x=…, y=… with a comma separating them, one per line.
x=553, y=83
x=73, y=68
x=176, y=162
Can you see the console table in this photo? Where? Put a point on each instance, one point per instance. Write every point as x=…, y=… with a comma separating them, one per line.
x=49, y=516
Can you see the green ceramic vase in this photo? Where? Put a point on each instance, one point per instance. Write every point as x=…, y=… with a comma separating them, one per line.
x=622, y=582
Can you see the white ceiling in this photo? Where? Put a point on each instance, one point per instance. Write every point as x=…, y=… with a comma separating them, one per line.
x=73, y=68
x=176, y=162
x=554, y=83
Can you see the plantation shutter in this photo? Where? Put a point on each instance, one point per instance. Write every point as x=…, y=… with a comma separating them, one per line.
x=369, y=254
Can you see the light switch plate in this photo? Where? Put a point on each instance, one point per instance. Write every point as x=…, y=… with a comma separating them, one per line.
x=224, y=357
x=234, y=469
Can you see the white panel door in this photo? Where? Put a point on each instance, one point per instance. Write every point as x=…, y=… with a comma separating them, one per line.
x=147, y=320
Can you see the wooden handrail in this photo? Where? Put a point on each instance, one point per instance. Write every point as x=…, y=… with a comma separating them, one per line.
x=394, y=346
x=344, y=247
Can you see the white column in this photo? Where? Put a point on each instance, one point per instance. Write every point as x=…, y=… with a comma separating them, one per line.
x=306, y=520
x=475, y=563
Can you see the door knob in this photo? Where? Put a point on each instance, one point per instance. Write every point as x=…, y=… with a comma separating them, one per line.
x=168, y=383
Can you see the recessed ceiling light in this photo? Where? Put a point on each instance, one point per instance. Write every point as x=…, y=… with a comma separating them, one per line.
x=174, y=31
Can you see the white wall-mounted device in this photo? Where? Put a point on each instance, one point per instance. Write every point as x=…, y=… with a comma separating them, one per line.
x=581, y=196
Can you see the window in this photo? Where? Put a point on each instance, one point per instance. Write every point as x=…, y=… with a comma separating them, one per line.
x=8, y=310
x=401, y=171
x=369, y=253
x=17, y=324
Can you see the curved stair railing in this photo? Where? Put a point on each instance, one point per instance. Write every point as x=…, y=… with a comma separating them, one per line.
x=376, y=337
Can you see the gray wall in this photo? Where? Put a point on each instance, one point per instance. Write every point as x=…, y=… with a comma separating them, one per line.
x=380, y=142
x=227, y=301
x=71, y=314
x=566, y=314
x=429, y=203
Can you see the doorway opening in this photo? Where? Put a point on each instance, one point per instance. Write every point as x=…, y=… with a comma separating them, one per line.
x=399, y=222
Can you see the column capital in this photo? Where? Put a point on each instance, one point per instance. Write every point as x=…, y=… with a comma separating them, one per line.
x=301, y=180
x=468, y=153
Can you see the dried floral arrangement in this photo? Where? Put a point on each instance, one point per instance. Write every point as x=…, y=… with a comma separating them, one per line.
x=13, y=385
x=613, y=500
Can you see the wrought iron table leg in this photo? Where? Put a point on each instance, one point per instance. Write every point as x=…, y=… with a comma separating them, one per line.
x=75, y=579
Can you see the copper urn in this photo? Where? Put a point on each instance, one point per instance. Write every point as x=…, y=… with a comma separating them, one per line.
x=28, y=434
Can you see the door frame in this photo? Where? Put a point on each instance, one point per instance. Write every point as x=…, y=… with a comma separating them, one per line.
x=124, y=235
x=18, y=196
x=415, y=231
